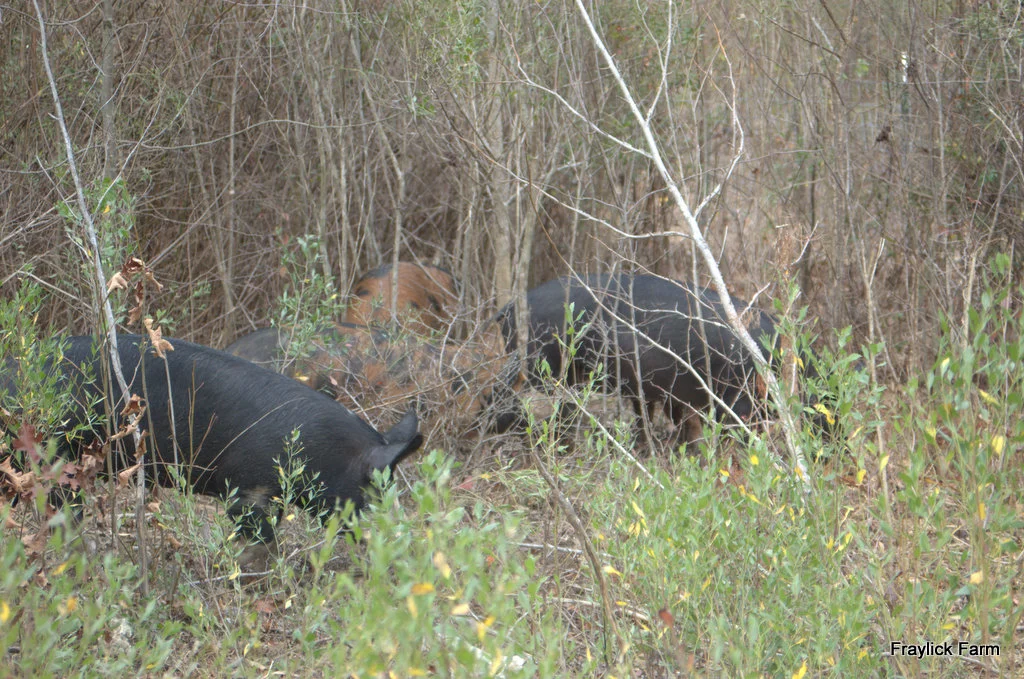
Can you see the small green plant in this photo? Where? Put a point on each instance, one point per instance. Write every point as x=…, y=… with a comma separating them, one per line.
x=957, y=524
x=32, y=389
x=832, y=393
x=311, y=302
x=112, y=207
x=33, y=408
x=78, y=617
x=443, y=587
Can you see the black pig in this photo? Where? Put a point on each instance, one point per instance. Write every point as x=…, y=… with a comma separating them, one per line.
x=637, y=328
x=222, y=422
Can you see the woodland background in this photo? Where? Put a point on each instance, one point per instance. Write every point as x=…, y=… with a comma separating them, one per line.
x=881, y=158
x=853, y=163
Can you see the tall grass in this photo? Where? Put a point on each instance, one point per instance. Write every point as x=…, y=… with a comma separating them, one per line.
x=717, y=562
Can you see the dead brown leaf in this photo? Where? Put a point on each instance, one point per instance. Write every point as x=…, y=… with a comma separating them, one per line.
x=68, y=475
x=666, y=618
x=152, y=279
x=140, y=448
x=132, y=266
x=124, y=476
x=135, y=405
x=94, y=449
x=156, y=338
x=86, y=471
x=117, y=282
x=18, y=482
x=35, y=545
x=28, y=441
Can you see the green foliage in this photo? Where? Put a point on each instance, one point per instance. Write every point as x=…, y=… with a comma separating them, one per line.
x=28, y=387
x=81, y=617
x=112, y=208
x=311, y=301
x=833, y=396
x=454, y=39
x=912, y=533
x=444, y=586
x=437, y=584
x=968, y=430
x=297, y=486
x=754, y=575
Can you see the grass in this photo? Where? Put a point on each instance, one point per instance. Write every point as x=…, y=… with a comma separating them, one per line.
x=714, y=563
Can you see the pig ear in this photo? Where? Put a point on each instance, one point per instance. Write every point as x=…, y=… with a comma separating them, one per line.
x=404, y=430
x=387, y=456
x=401, y=441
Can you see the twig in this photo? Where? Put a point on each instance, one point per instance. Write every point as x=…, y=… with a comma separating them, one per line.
x=654, y=153
x=564, y=550
x=629, y=610
x=99, y=283
x=606, y=608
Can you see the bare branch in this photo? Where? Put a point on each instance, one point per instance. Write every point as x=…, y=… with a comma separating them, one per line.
x=99, y=280
x=654, y=154
x=569, y=107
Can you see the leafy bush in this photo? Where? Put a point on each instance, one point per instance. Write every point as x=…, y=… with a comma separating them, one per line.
x=718, y=562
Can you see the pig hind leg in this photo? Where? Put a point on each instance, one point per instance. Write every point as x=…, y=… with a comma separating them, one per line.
x=252, y=515
x=688, y=419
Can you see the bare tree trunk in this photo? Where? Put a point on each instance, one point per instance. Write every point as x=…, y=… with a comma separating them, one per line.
x=227, y=273
x=499, y=184
x=106, y=312
x=346, y=222
x=399, y=191
x=654, y=153
x=325, y=178
x=107, y=92
x=224, y=242
x=527, y=227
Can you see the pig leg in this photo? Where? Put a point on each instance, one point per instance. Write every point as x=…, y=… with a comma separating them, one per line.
x=253, y=523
